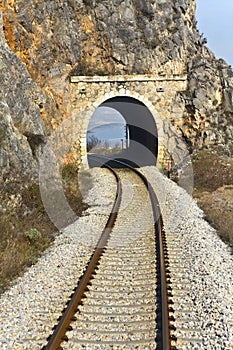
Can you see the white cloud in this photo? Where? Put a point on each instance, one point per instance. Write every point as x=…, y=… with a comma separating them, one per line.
x=105, y=116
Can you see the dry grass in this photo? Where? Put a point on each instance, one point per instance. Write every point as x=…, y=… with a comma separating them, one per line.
x=213, y=181
x=211, y=171
x=25, y=228
x=19, y=214
x=218, y=208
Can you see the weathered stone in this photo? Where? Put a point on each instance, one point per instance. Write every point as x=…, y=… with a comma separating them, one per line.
x=104, y=38
x=15, y=152
x=2, y=37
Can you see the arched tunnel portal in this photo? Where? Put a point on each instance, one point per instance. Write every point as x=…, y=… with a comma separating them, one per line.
x=142, y=147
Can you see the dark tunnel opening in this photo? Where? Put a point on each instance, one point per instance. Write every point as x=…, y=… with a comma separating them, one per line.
x=142, y=143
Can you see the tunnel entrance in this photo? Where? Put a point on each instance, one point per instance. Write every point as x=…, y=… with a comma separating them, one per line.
x=136, y=137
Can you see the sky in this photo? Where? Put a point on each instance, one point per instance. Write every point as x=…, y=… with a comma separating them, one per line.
x=105, y=115
x=107, y=124
x=215, y=21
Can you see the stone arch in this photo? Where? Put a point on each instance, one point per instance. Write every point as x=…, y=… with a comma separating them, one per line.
x=143, y=146
x=156, y=135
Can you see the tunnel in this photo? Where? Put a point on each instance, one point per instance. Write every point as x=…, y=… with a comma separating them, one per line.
x=142, y=137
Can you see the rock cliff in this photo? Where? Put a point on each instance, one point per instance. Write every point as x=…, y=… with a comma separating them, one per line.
x=43, y=42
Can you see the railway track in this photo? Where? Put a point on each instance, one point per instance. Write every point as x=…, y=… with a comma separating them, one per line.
x=121, y=300
x=119, y=306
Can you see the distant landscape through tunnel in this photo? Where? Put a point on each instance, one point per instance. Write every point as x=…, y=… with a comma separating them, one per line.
x=136, y=137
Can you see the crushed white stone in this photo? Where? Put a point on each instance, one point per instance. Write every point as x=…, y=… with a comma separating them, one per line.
x=206, y=264
x=28, y=310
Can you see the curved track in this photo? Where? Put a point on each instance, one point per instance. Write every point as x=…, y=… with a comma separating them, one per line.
x=121, y=300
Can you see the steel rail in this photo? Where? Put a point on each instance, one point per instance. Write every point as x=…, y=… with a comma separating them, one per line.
x=60, y=330
x=58, y=335
x=162, y=259
x=162, y=271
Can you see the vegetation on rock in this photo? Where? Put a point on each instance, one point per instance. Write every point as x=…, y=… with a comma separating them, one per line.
x=26, y=230
x=213, y=181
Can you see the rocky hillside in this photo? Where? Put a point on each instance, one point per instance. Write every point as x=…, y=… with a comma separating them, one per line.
x=41, y=43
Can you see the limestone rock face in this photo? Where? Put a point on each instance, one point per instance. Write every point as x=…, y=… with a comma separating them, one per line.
x=21, y=127
x=42, y=42
x=209, y=103
x=22, y=105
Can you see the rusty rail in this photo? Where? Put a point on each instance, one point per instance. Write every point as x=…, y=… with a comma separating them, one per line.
x=163, y=318
x=64, y=323
x=162, y=258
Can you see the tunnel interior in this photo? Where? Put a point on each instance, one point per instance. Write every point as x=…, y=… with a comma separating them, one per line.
x=139, y=146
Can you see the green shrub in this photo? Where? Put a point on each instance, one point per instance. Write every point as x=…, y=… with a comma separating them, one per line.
x=33, y=235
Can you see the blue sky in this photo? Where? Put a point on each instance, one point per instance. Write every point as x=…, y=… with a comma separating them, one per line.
x=107, y=124
x=215, y=21
x=104, y=116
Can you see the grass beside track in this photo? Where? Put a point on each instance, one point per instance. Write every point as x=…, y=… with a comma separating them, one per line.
x=25, y=228
x=213, y=190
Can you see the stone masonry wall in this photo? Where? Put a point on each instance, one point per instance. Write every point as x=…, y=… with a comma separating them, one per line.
x=158, y=93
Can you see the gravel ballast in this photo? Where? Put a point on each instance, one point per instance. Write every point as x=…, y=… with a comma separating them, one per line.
x=204, y=262
x=28, y=310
